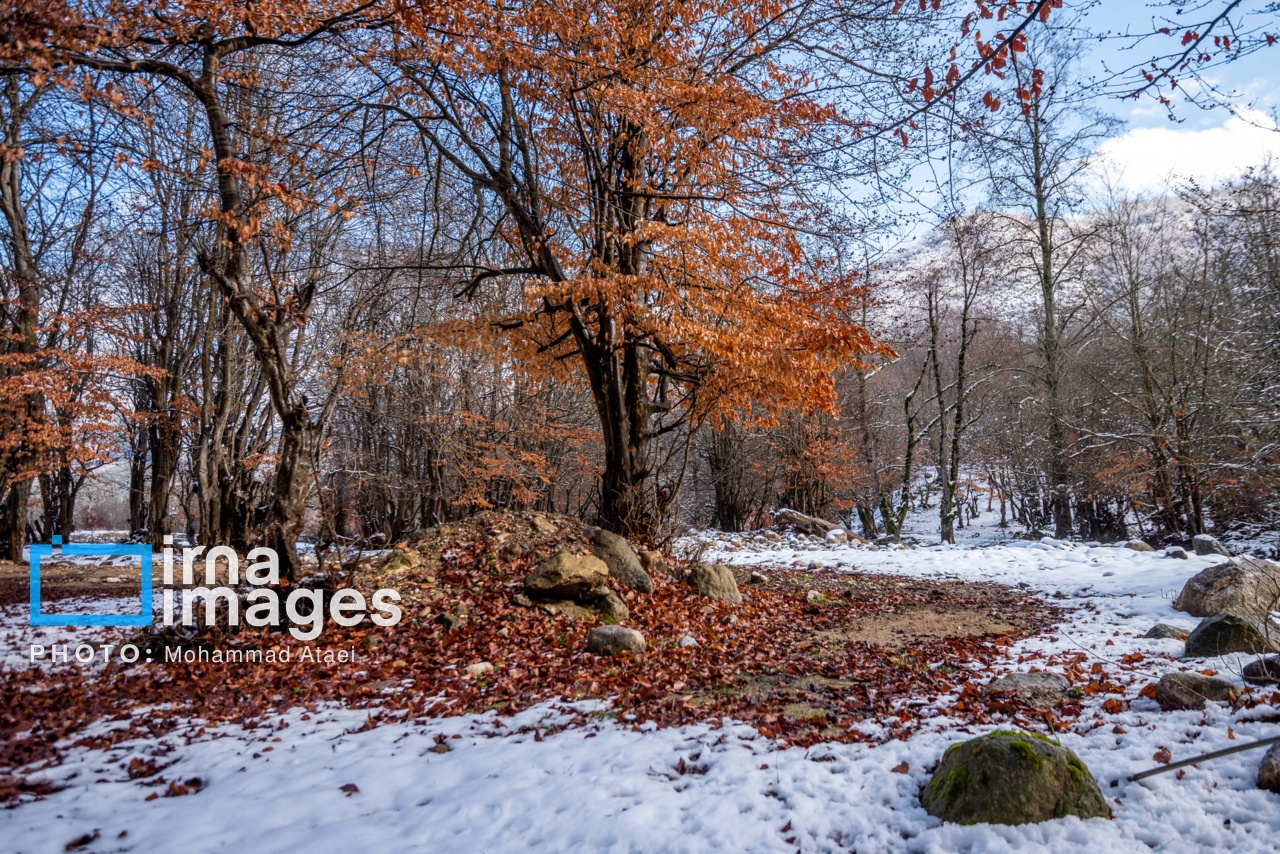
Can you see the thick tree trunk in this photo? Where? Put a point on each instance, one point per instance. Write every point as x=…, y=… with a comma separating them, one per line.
x=22, y=336
x=15, y=522
x=164, y=441
x=299, y=439
x=58, y=494
x=138, y=482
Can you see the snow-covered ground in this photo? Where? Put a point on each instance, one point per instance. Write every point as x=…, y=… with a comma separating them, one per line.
x=612, y=785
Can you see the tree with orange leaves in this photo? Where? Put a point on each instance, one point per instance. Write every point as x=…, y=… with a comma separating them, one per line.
x=650, y=164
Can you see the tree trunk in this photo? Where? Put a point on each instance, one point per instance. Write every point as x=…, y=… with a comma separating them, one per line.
x=299, y=440
x=138, y=481
x=1050, y=341
x=22, y=337
x=164, y=441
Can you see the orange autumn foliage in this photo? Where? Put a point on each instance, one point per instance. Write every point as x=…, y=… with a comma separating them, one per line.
x=652, y=164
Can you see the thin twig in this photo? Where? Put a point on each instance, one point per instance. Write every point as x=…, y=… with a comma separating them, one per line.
x=1239, y=748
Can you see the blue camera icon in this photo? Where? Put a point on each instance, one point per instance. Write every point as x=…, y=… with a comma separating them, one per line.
x=142, y=618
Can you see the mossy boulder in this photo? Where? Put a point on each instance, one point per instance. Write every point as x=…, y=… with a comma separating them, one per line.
x=1011, y=777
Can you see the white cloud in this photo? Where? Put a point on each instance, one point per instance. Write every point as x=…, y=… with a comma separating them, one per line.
x=1151, y=160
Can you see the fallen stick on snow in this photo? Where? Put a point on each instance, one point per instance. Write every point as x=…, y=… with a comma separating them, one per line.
x=1182, y=763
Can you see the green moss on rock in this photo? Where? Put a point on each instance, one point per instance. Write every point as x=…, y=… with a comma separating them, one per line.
x=1011, y=777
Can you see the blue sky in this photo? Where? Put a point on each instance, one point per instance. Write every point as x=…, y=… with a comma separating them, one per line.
x=1205, y=144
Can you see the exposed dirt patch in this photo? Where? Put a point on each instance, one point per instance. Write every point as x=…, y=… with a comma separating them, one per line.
x=60, y=580
x=924, y=623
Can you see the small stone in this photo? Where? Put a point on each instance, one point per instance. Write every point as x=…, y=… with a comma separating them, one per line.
x=1264, y=671
x=688, y=642
x=1269, y=770
x=455, y=619
x=521, y=601
x=1037, y=688
x=715, y=582
x=1178, y=553
x=1203, y=544
x=1138, y=546
x=814, y=596
x=757, y=578
x=478, y=669
x=612, y=640
x=542, y=525
x=1164, y=631
x=1191, y=690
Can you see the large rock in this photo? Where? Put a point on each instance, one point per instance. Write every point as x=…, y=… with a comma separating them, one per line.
x=1244, y=586
x=1226, y=633
x=1138, y=546
x=1011, y=777
x=714, y=581
x=1269, y=770
x=1191, y=691
x=1264, y=671
x=1038, y=688
x=565, y=575
x=810, y=525
x=1203, y=544
x=611, y=640
x=623, y=564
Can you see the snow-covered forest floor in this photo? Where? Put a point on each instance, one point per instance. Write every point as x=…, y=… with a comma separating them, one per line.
x=545, y=779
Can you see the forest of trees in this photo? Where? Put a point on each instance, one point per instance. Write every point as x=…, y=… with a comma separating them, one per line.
x=345, y=270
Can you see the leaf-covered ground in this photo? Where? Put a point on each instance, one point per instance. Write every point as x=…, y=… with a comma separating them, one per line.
x=382, y=754
x=791, y=659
